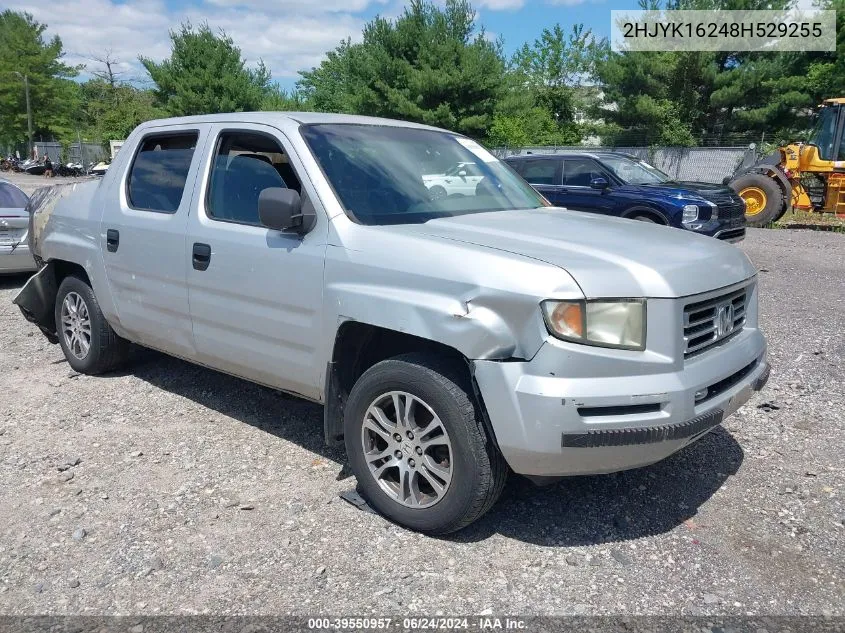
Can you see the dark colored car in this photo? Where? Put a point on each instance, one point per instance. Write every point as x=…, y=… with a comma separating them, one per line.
x=624, y=186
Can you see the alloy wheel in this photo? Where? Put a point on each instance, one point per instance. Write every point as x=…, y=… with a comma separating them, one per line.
x=76, y=325
x=407, y=449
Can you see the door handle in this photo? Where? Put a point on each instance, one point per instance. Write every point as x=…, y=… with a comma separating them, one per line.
x=112, y=240
x=201, y=256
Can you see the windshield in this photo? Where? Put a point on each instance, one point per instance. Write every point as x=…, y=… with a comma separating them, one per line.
x=11, y=197
x=400, y=175
x=634, y=172
x=824, y=133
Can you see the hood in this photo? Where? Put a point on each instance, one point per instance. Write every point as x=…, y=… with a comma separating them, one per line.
x=607, y=257
x=706, y=190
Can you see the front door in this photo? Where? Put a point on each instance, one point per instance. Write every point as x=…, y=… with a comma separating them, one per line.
x=143, y=239
x=577, y=193
x=255, y=293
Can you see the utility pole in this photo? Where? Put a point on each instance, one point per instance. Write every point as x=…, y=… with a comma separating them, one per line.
x=28, y=107
x=28, y=112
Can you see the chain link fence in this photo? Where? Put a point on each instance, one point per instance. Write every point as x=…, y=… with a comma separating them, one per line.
x=85, y=153
x=702, y=164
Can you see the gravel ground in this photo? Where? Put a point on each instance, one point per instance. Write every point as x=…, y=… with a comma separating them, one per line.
x=168, y=488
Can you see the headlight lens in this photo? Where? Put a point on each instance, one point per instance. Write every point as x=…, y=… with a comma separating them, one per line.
x=690, y=213
x=616, y=323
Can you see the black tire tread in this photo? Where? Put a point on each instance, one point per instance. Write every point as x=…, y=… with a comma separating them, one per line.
x=454, y=380
x=775, y=206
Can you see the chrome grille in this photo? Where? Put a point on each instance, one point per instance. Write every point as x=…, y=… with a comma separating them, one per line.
x=713, y=320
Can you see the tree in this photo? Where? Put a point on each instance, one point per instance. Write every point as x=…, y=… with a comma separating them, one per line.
x=280, y=100
x=545, y=88
x=705, y=97
x=206, y=74
x=430, y=65
x=655, y=98
x=26, y=54
x=111, y=107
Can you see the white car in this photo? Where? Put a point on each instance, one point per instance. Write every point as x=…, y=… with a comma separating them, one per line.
x=460, y=179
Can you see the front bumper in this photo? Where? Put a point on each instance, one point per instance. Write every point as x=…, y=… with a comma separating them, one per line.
x=548, y=425
x=726, y=229
x=16, y=260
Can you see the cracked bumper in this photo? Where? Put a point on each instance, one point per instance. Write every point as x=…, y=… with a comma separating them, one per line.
x=548, y=424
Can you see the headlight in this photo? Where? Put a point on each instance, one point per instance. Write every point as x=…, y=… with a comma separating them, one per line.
x=690, y=213
x=607, y=323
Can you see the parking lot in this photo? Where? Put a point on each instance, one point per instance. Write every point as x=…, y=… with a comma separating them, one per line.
x=169, y=488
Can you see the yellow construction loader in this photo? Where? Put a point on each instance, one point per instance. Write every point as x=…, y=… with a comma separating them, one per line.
x=803, y=176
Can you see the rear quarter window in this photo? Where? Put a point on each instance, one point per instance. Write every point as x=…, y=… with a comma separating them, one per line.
x=11, y=197
x=159, y=171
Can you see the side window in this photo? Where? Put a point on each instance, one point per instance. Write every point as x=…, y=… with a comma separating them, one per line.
x=473, y=170
x=540, y=172
x=157, y=178
x=11, y=197
x=245, y=164
x=578, y=172
x=517, y=165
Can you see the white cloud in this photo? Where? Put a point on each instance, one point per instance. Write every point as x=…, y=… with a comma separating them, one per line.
x=499, y=5
x=289, y=35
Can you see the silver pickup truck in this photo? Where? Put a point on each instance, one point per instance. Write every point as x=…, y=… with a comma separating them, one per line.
x=451, y=337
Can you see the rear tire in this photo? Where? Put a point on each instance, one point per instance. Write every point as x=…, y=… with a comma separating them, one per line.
x=456, y=484
x=89, y=343
x=763, y=198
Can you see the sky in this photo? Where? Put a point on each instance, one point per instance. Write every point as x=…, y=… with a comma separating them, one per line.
x=289, y=35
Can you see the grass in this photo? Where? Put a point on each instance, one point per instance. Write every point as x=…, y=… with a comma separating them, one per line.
x=816, y=221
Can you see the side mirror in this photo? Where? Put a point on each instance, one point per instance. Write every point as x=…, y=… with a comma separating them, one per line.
x=281, y=209
x=462, y=173
x=599, y=183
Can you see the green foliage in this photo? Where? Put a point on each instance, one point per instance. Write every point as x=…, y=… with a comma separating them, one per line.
x=113, y=111
x=657, y=98
x=430, y=65
x=206, y=74
x=279, y=100
x=53, y=97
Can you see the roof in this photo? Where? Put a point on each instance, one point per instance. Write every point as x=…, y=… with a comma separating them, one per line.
x=275, y=118
x=573, y=154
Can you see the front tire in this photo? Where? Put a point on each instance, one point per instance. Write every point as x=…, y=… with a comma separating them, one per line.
x=417, y=444
x=89, y=343
x=763, y=198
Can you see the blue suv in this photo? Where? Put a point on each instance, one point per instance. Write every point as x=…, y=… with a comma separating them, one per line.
x=624, y=186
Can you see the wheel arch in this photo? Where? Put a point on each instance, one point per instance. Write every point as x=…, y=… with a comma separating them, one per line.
x=640, y=209
x=357, y=347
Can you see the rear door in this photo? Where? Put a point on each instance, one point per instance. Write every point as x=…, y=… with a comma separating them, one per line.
x=255, y=293
x=544, y=175
x=576, y=192
x=143, y=226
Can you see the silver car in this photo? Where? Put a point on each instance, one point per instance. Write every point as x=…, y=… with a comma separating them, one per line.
x=451, y=338
x=14, y=220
